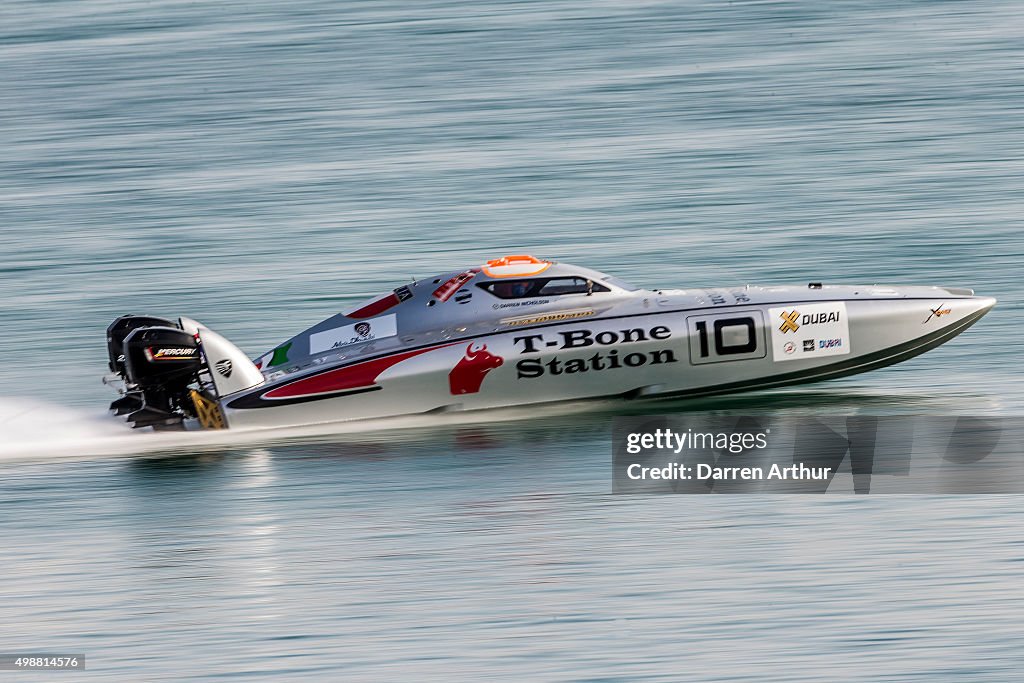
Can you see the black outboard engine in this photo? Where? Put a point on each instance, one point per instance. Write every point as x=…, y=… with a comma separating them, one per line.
x=133, y=399
x=121, y=328
x=159, y=364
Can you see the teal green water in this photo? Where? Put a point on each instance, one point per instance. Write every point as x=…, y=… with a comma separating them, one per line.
x=259, y=166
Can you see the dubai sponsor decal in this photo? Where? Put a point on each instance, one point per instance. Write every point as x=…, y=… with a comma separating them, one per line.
x=403, y=293
x=938, y=312
x=789, y=321
x=602, y=358
x=223, y=367
x=340, y=337
x=817, y=329
x=468, y=374
x=818, y=318
x=549, y=317
x=156, y=353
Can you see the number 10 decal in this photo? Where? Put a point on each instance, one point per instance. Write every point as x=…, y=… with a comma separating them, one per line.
x=725, y=337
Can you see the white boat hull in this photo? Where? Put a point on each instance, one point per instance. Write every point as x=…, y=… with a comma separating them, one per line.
x=647, y=356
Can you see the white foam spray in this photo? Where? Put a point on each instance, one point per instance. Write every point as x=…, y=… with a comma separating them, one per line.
x=34, y=430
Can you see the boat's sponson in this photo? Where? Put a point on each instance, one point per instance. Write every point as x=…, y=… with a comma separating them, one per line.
x=520, y=330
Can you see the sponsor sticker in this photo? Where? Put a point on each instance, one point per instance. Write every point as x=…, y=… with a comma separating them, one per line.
x=224, y=367
x=549, y=317
x=789, y=321
x=809, y=331
x=468, y=374
x=155, y=353
x=602, y=350
x=364, y=331
x=938, y=312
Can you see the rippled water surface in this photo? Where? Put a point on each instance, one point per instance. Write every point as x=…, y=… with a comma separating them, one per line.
x=260, y=166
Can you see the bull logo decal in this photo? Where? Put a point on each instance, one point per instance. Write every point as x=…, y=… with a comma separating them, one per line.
x=468, y=374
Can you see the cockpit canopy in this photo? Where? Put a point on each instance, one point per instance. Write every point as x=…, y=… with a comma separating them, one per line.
x=483, y=287
x=541, y=286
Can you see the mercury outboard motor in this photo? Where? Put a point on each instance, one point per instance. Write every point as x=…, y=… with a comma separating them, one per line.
x=121, y=328
x=162, y=370
x=159, y=365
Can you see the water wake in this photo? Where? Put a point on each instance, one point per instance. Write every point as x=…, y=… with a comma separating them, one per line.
x=32, y=430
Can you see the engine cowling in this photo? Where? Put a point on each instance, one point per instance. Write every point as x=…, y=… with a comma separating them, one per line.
x=161, y=355
x=118, y=330
x=160, y=364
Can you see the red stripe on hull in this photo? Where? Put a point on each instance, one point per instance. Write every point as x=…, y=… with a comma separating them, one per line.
x=356, y=376
x=375, y=307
